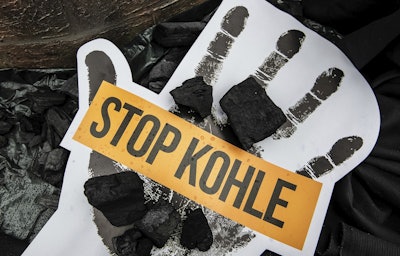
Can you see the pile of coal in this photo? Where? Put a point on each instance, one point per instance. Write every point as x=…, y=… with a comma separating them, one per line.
x=118, y=196
x=36, y=109
x=253, y=116
x=195, y=94
x=196, y=232
x=155, y=54
x=132, y=243
x=159, y=223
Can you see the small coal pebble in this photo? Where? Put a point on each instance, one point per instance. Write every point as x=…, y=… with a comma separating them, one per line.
x=132, y=243
x=118, y=196
x=252, y=114
x=196, y=232
x=159, y=223
x=195, y=94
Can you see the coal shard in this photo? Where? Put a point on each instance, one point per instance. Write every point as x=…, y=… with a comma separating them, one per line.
x=173, y=34
x=196, y=232
x=195, y=94
x=45, y=98
x=118, y=196
x=3, y=141
x=253, y=116
x=5, y=127
x=159, y=223
x=164, y=68
x=132, y=243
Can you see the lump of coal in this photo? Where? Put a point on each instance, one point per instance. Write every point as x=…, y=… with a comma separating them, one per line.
x=3, y=141
x=118, y=196
x=55, y=164
x=164, y=68
x=195, y=94
x=132, y=243
x=196, y=232
x=173, y=34
x=45, y=98
x=159, y=223
x=5, y=127
x=252, y=114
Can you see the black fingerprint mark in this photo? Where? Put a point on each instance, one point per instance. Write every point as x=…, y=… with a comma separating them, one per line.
x=342, y=150
x=232, y=25
x=288, y=45
x=100, y=67
x=325, y=85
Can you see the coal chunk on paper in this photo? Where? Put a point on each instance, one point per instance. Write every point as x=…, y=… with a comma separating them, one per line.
x=196, y=232
x=195, y=94
x=118, y=196
x=159, y=223
x=132, y=243
x=253, y=116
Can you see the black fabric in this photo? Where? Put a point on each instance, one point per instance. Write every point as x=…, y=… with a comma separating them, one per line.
x=366, y=43
x=363, y=217
x=347, y=15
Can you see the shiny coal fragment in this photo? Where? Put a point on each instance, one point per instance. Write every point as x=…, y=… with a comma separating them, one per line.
x=196, y=232
x=253, y=116
x=159, y=223
x=118, y=196
x=173, y=34
x=132, y=243
x=195, y=94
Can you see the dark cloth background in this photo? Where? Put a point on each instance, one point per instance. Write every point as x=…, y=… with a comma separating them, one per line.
x=363, y=217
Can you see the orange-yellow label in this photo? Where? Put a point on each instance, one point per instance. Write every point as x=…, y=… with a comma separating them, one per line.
x=200, y=166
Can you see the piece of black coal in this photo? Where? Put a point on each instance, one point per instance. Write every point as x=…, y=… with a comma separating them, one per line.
x=196, y=232
x=253, y=116
x=195, y=94
x=118, y=196
x=5, y=127
x=159, y=223
x=3, y=141
x=164, y=68
x=269, y=253
x=132, y=243
x=45, y=98
x=58, y=120
x=173, y=34
x=53, y=170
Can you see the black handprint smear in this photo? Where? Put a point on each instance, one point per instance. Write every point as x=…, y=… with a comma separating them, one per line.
x=288, y=45
x=325, y=85
x=342, y=150
x=100, y=67
x=232, y=25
